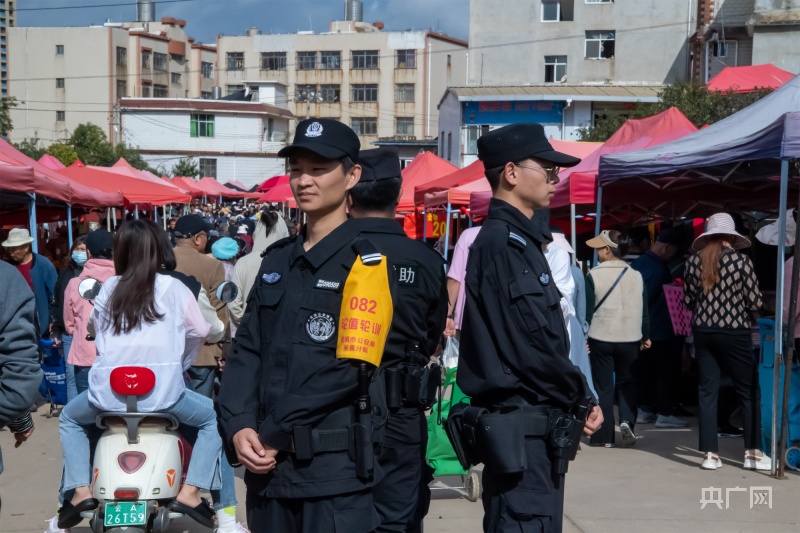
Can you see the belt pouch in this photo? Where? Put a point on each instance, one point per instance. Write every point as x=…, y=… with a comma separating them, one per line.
x=394, y=388
x=361, y=451
x=454, y=428
x=503, y=436
x=303, y=443
x=413, y=376
x=430, y=380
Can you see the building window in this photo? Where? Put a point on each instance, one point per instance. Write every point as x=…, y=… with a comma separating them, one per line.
x=365, y=126
x=59, y=49
x=176, y=57
x=600, y=44
x=473, y=133
x=330, y=93
x=406, y=59
x=558, y=10
x=61, y=116
x=306, y=60
x=122, y=89
x=59, y=83
x=405, y=126
x=160, y=91
x=365, y=92
x=450, y=146
x=207, y=69
x=160, y=62
x=330, y=60
x=555, y=69
x=404, y=92
x=269, y=130
x=234, y=89
x=122, y=56
x=235, y=60
x=273, y=61
x=146, y=59
x=365, y=59
x=145, y=91
x=175, y=78
x=208, y=168
x=723, y=49
x=599, y=1
x=202, y=125
x=305, y=93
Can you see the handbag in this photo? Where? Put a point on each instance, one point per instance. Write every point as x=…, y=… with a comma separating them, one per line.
x=605, y=297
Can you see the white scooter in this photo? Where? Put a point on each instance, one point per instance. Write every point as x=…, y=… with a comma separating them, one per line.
x=137, y=469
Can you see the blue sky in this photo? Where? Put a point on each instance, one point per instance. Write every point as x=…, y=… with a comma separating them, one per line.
x=208, y=18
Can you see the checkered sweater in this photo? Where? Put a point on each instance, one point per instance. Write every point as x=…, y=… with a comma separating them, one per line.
x=726, y=305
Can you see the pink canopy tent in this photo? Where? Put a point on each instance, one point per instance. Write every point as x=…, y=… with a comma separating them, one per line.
x=749, y=78
x=273, y=182
x=136, y=191
x=187, y=185
x=427, y=167
x=215, y=188
x=124, y=168
x=281, y=193
x=51, y=162
x=237, y=184
x=77, y=163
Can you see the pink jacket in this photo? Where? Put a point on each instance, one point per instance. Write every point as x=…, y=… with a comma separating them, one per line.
x=77, y=312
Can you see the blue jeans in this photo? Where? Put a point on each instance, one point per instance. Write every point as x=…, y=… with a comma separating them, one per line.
x=72, y=389
x=194, y=410
x=201, y=380
x=82, y=378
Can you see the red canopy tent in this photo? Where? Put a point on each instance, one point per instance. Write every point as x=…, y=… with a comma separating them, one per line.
x=51, y=162
x=215, y=188
x=126, y=169
x=189, y=185
x=749, y=78
x=427, y=167
x=281, y=193
x=273, y=182
x=135, y=191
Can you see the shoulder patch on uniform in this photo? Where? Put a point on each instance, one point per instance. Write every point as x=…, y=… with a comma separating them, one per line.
x=406, y=274
x=516, y=240
x=544, y=279
x=271, y=278
x=320, y=327
x=277, y=244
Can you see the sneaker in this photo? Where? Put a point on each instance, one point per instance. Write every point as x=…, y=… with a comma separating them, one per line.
x=711, y=462
x=753, y=461
x=52, y=526
x=669, y=421
x=238, y=529
x=628, y=436
x=729, y=432
x=645, y=417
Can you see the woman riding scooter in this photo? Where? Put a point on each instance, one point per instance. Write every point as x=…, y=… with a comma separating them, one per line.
x=139, y=317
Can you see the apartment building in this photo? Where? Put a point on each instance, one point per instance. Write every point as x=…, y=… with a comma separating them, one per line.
x=384, y=84
x=67, y=76
x=228, y=139
x=8, y=19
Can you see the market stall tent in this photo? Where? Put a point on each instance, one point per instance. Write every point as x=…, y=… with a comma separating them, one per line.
x=51, y=162
x=427, y=167
x=747, y=79
x=135, y=191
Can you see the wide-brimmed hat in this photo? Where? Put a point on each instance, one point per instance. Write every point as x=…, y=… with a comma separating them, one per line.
x=721, y=224
x=17, y=237
x=601, y=241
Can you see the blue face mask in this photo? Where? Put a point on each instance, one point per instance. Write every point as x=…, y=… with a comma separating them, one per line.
x=80, y=258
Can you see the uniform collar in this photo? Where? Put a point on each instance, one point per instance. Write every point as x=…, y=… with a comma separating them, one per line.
x=378, y=225
x=501, y=210
x=327, y=247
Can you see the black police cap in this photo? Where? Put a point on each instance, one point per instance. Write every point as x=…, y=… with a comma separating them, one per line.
x=379, y=164
x=516, y=142
x=325, y=137
x=190, y=225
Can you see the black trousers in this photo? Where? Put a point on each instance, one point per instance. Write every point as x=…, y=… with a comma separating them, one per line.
x=614, y=368
x=659, y=375
x=730, y=352
x=345, y=513
x=529, y=502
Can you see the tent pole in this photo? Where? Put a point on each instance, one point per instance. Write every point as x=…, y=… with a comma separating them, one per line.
x=32, y=221
x=164, y=219
x=424, y=222
x=136, y=211
x=778, y=361
x=447, y=232
x=114, y=216
x=574, y=237
x=69, y=225
x=155, y=214
x=598, y=212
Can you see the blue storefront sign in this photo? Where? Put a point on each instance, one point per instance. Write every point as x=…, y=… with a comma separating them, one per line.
x=508, y=112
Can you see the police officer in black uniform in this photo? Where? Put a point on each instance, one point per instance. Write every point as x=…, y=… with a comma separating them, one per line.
x=287, y=402
x=514, y=359
x=402, y=497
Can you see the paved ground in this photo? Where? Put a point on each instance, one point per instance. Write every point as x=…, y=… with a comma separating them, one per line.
x=654, y=487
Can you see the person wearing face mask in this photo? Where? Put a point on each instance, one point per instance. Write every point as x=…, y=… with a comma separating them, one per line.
x=77, y=311
x=73, y=269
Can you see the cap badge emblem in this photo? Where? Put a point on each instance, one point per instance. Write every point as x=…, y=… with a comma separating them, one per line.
x=544, y=279
x=320, y=327
x=314, y=130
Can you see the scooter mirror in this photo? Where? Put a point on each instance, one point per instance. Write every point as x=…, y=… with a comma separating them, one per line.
x=89, y=288
x=227, y=292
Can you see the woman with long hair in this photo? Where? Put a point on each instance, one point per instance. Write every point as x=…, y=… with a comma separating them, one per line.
x=142, y=318
x=619, y=327
x=721, y=289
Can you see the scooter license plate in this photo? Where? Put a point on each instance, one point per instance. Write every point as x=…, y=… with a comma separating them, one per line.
x=120, y=514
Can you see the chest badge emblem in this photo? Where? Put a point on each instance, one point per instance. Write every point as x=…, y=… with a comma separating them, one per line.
x=544, y=279
x=320, y=327
x=271, y=279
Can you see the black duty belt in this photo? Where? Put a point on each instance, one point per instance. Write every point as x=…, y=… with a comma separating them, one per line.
x=332, y=434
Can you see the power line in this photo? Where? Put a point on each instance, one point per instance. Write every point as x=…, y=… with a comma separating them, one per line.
x=89, y=6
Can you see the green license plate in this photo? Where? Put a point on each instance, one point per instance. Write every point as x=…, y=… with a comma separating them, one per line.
x=125, y=514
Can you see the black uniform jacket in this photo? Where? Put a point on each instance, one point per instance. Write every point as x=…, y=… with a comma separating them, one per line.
x=513, y=338
x=283, y=371
x=420, y=309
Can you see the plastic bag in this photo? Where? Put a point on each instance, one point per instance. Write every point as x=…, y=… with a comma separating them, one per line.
x=449, y=357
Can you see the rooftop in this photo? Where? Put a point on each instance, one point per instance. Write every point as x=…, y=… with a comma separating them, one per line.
x=591, y=93
x=201, y=105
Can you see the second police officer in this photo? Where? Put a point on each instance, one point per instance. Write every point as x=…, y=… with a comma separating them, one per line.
x=288, y=402
x=529, y=402
x=402, y=497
